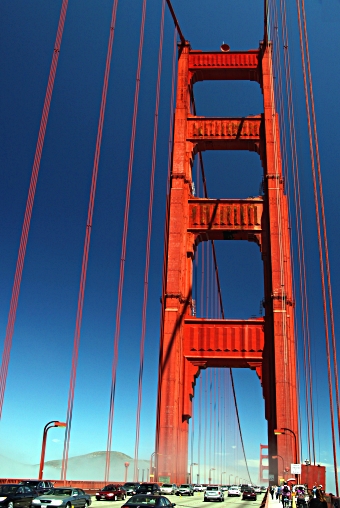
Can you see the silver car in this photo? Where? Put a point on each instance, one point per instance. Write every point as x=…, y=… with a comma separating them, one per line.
x=67, y=497
x=169, y=488
x=214, y=493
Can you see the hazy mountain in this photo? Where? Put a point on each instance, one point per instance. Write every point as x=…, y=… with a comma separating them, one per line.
x=83, y=467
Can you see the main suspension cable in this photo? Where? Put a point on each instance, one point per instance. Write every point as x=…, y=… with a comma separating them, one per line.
x=87, y=245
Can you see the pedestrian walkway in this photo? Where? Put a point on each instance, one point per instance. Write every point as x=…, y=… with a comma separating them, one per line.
x=275, y=503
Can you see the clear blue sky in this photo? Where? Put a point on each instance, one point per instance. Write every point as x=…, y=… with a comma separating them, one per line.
x=38, y=378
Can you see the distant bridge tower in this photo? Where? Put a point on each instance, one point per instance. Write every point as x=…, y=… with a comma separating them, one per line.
x=189, y=344
x=263, y=467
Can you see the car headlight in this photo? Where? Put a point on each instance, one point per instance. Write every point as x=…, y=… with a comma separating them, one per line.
x=56, y=502
x=3, y=498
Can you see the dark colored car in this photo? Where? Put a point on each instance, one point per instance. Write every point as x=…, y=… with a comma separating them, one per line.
x=249, y=493
x=41, y=486
x=14, y=495
x=148, y=500
x=131, y=488
x=111, y=492
x=63, y=497
x=149, y=488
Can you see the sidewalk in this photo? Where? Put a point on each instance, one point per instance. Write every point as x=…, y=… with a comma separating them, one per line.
x=275, y=503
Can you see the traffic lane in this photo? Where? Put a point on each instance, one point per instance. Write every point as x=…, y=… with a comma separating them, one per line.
x=196, y=501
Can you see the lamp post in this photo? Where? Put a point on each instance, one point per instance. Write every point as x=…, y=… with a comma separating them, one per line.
x=192, y=464
x=283, y=463
x=211, y=469
x=283, y=430
x=49, y=425
x=236, y=480
x=151, y=467
x=223, y=472
x=229, y=478
x=126, y=464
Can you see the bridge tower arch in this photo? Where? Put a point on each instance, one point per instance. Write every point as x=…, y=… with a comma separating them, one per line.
x=189, y=344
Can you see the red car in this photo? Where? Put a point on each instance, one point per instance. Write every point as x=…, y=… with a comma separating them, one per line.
x=111, y=492
x=249, y=493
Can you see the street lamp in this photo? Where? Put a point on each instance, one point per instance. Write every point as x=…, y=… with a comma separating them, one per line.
x=236, y=480
x=192, y=464
x=49, y=425
x=211, y=469
x=283, y=430
x=224, y=472
x=229, y=478
x=126, y=464
x=283, y=463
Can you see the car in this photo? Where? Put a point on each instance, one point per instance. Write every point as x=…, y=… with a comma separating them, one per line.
x=16, y=495
x=131, y=488
x=243, y=487
x=111, y=492
x=234, y=491
x=169, y=488
x=257, y=489
x=41, y=486
x=185, y=490
x=249, y=493
x=224, y=487
x=148, y=500
x=263, y=489
x=214, y=493
x=199, y=488
x=149, y=488
x=65, y=497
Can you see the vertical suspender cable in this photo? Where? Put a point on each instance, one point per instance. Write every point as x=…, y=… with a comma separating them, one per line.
x=330, y=298
x=316, y=202
x=298, y=221
x=148, y=241
x=123, y=252
x=199, y=428
x=87, y=245
x=29, y=206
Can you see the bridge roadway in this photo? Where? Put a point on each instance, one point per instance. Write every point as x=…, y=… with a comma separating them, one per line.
x=192, y=502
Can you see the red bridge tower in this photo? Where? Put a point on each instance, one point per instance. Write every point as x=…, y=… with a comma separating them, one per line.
x=189, y=344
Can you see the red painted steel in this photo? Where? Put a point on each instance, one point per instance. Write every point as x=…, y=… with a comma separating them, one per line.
x=263, y=467
x=189, y=344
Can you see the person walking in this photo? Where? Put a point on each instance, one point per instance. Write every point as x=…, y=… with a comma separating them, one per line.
x=272, y=490
x=285, y=495
x=318, y=501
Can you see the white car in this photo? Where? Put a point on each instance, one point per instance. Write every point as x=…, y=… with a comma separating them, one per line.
x=257, y=490
x=213, y=492
x=169, y=488
x=198, y=488
x=234, y=491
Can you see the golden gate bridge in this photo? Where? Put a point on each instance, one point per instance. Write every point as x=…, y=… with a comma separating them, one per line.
x=200, y=346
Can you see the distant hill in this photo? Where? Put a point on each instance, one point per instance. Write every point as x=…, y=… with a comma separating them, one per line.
x=82, y=467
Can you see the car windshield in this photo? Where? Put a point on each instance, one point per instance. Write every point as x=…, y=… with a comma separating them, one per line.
x=184, y=486
x=167, y=485
x=212, y=488
x=32, y=483
x=8, y=489
x=140, y=500
x=108, y=487
x=60, y=492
